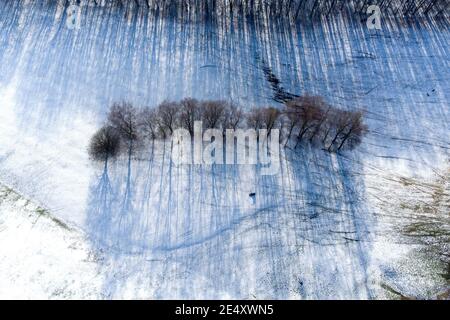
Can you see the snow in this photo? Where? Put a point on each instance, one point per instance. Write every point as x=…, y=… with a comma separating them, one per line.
x=40, y=257
x=322, y=228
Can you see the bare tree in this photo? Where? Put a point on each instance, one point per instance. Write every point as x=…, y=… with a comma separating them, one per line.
x=104, y=144
x=168, y=117
x=189, y=113
x=349, y=129
x=255, y=119
x=213, y=113
x=123, y=118
x=284, y=125
x=270, y=117
x=321, y=122
x=263, y=118
x=233, y=117
x=148, y=122
x=304, y=113
x=354, y=132
x=292, y=121
x=328, y=126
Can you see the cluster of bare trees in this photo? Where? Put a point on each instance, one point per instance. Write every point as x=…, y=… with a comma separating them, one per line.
x=128, y=128
x=279, y=8
x=435, y=8
x=311, y=119
x=307, y=119
x=169, y=116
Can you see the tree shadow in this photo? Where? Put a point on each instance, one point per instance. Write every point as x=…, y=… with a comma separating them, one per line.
x=191, y=228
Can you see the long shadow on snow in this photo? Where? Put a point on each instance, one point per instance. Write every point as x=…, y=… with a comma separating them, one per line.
x=193, y=231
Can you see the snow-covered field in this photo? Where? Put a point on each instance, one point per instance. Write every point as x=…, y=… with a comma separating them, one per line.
x=373, y=223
